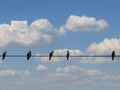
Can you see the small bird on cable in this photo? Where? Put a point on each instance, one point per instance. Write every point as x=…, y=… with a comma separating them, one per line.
x=68, y=55
x=51, y=55
x=4, y=55
x=113, y=55
x=29, y=55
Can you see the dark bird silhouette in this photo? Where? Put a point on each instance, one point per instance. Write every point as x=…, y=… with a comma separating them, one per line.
x=51, y=55
x=29, y=55
x=4, y=55
x=113, y=55
x=68, y=55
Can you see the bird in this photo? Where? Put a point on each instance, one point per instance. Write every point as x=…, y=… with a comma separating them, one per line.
x=51, y=55
x=4, y=55
x=29, y=55
x=113, y=55
x=68, y=55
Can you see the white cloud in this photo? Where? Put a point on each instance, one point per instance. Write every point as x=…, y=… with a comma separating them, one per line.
x=82, y=76
x=68, y=69
x=20, y=32
x=96, y=60
x=76, y=73
x=14, y=73
x=68, y=72
x=103, y=48
x=84, y=23
x=41, y=68
x=63, y=52
x=59, y=52
x=93, y=72
x=76, y=77
x=41, y=30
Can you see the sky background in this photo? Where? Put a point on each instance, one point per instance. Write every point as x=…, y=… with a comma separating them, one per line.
x=83, y=27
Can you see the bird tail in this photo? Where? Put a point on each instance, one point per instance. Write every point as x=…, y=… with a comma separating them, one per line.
x=3, y=58
x=112, y=58
x=49, y=58
x=67, y=57
x=27, y=58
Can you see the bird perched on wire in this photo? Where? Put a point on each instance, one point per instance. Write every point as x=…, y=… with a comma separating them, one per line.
x=29, y=55
x=4, y=55
x=113, y=55
x=68, y=55
x=51, y=55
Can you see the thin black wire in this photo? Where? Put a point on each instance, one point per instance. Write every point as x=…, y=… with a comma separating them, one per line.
x=61, y=56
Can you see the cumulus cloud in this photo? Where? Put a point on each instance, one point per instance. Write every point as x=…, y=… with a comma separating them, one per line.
x=41, y=68
x=76, y=74
x=106, y=46
x=84, y=23
x=14, y=73
x=41, y=30
x=103, y=48
x=65, y=72
x=20, y=32
x=60, y=52
x=68, y=69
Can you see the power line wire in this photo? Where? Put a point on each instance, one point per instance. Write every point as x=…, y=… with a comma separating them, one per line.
x=29, y=54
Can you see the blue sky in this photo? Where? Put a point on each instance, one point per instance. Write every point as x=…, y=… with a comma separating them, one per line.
x=81, y=26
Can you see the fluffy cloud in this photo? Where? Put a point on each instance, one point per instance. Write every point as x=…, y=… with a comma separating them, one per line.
x=65, y=72
x=14, y=73
x=41, y=30
x=103, y=48
x=84, y=23
x=60, y=52
x=74, y=71
x=68, y=69
x=77, y=74
x=41, y=68
x=77, y=70
x=20, y=32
